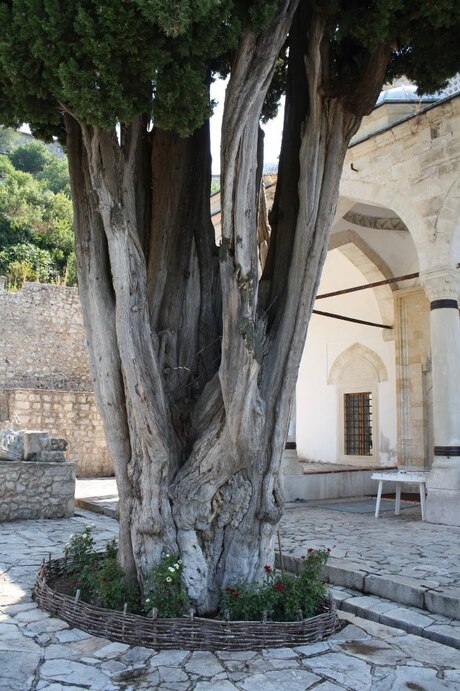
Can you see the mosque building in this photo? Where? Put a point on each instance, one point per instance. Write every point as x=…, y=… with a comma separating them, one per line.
x=379, y=382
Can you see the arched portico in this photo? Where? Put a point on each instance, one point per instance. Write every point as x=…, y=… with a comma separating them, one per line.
x=405, y=181
x=388, y=196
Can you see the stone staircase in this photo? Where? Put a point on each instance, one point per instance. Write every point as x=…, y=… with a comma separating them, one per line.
x=391, y=600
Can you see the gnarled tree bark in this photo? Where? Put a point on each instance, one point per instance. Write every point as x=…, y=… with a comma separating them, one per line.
x=194, y=354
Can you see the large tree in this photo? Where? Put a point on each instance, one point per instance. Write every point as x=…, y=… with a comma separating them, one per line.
x=194, y=348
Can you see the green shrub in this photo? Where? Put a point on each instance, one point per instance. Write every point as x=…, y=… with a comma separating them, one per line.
x=109, y=587
x=80, y=550
x=164, y=588
x=281, y=596
x=101, y=581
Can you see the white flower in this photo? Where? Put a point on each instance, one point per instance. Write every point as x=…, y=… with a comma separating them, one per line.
x=168, y=579
x=168, y=555
x=170, y=568
x=176, y=566
x=179, y=561
x=147, y=601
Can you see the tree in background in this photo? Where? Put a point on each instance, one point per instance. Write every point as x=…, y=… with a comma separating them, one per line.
x=194, y=348
x=31, y=157
x=36, y=235
x=8, y=139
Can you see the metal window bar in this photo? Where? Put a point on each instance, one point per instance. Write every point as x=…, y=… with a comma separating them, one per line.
x=358, y=424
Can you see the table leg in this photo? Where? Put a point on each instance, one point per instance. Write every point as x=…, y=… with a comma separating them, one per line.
x=398, y=499
x=421, y=488
x=379, y=496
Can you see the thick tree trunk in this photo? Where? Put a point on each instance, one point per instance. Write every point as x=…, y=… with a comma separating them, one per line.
x=195, y=358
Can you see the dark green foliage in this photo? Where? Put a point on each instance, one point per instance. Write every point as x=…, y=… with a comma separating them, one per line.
x=82, y=560
x=276, y=90
x=107, y=62
x=30, y=158
x=101, y=581
x=423, y=36
x=109, y=588
x=110, y=61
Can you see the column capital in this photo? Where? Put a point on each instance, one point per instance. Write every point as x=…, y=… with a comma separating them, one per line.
x=441, y=285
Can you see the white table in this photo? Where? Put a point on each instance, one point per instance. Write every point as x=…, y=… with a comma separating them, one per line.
x=400, y=477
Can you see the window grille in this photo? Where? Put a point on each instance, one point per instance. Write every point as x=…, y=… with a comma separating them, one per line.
x=358, y=424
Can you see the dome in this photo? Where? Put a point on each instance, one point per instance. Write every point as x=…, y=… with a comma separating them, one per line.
x=403, y=94
x=407, y=93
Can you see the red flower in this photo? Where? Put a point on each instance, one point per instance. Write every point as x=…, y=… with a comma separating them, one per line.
x=310, y=550
x=103, y=580
x=74, y=582
x=278, y=587
x=267, y=569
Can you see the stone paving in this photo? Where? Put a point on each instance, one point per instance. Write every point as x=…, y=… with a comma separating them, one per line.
x=41, y=652
x=399, y=558
x=389, y=545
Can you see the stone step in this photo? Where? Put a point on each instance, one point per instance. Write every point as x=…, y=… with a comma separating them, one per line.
x=413, y=620
x=425, y=596
x=102, y=506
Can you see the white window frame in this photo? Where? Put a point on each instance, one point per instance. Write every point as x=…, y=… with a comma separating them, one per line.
x=364, y=387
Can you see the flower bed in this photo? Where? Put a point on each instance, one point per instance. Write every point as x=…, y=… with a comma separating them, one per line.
x=189, y=632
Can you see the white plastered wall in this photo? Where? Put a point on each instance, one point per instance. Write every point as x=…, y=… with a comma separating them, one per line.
x=317, y=431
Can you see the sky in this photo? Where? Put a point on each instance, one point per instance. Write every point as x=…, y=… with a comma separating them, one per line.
x=272, y=130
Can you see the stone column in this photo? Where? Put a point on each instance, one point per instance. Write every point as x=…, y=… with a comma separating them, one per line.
x=291, y=465
x=443, y=484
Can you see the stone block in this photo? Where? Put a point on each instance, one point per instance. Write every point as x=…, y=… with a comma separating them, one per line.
x=291, y=564
x=345, y=573
x=409, y=620
x=305, y=487
x=445, y=601
x=442, y=505
x=11, y=445
x=397, y=588
x=34, y=445
x=37, y=498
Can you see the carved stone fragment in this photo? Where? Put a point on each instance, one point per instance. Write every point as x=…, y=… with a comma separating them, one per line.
x=11, y=445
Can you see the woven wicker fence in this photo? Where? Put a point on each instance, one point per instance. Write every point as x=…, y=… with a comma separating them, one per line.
x=189, y=632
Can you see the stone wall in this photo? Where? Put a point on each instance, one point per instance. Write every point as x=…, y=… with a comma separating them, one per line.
x=42, y=340
x=45, y=381
x=36, y=490
x=69, y=414
x=412, y=168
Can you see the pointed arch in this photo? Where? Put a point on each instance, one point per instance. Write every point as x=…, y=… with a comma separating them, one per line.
x=387, y=195
x=351, y=356
x=371, y=265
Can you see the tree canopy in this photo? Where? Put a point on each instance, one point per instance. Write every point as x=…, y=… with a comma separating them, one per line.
x=107, y=62
x=195, y=347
